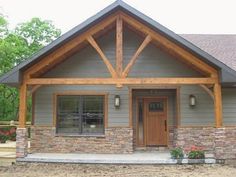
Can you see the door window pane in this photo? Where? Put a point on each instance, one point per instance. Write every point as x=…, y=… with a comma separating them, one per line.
x=140, y=122
x=156, y=106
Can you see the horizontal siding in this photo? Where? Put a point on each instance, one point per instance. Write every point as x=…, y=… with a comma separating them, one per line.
x=229, y=106
x=202, y=113
x=153, y=62
x=116, y=117
x=85, y=64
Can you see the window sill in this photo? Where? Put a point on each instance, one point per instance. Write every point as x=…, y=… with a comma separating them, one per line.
x=75, y=135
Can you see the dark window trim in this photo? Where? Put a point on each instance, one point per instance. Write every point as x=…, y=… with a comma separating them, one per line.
x=80, y=93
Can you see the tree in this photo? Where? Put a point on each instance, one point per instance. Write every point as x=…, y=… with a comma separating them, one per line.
x=15, y=46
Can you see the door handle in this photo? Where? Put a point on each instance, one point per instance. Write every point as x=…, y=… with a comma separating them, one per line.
x=165, y=125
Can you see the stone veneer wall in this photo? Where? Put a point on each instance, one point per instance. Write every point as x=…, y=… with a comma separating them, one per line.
x=220, y=141
x=21, y=142
x=115, y=140
x=225, y=143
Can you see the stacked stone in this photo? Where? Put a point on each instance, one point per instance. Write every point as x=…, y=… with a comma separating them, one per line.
x=198, y=136
x=219, y=141
x=21, y=142
x=115, y=140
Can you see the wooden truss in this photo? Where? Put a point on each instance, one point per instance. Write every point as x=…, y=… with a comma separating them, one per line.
x=119, y=74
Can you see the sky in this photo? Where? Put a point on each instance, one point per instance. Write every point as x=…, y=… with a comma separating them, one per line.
x=180, y=16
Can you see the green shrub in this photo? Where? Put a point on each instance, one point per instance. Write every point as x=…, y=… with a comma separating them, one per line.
x=177, y=153
x=3, y=138
x=9, y=131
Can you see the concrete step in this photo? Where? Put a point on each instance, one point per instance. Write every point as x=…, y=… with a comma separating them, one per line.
x=151, y=149
x=135, y=158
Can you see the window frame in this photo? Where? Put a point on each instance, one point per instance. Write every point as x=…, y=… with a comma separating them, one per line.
x=80, y=93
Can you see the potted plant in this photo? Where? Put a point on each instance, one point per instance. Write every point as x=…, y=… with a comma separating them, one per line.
x=195, y=154
x=177, y=153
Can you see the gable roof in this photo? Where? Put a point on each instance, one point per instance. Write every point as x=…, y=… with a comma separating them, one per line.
x=228, y=75
x=221, y=46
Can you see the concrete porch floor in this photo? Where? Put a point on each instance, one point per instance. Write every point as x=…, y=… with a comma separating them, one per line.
x=135, y=158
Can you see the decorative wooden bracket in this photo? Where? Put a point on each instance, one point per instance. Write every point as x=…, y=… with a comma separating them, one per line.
x=36, y=87
x=171, y=46
x=209, y=91
x=135, y=56
x=91, y=40
x=57, y=56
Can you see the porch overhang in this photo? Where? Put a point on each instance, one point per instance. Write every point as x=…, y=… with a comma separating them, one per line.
x=29, y=73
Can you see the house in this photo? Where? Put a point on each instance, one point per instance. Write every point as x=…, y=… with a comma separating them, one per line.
x=121, y=81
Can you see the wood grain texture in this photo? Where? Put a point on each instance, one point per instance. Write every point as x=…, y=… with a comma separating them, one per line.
x=54, y=57
x=23, y=105
x=208, y=90
x=187, y=56
x=103, y=56
x=119, y=46
x=122, y=81
x=218, y=105
x=146, y=41
x=155, y=123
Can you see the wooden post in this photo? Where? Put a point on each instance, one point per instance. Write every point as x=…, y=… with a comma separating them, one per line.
x=119, y=46
x=218, y=105
x=23, y=105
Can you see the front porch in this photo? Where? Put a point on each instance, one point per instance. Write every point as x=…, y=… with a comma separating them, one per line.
x=155, y=157
x=105, y=128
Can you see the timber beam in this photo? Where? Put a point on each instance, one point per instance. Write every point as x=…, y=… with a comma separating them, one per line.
x=146, y=41
x=218, y=105
x=119, y=81
x=53, y=58
x=103, y=56
x=23, y=105
x=171, y=46
x=119, y=46
x=208, y=90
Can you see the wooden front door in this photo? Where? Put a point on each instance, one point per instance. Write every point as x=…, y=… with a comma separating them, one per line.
x=155, y=121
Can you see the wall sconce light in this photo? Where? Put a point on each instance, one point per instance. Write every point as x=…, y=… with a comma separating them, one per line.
x=192, y=100
x=117, y=101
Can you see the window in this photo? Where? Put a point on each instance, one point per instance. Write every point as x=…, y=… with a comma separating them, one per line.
x=156, y=107
x=80, y=114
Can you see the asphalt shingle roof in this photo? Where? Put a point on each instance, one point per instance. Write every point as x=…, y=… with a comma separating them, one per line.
x=220, y=46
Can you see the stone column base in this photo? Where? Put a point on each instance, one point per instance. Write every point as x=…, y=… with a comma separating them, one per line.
x=219, y=141
x=21, y=142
